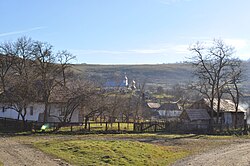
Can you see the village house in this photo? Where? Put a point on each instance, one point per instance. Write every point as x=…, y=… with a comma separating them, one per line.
x=151, y=109
x=35, y=110
x=227, y=112
x=153, y=106
x=169, y=111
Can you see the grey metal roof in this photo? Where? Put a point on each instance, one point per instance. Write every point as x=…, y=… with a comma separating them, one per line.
x=197, y=114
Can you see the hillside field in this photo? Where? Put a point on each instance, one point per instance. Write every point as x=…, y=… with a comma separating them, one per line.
x=165, y=75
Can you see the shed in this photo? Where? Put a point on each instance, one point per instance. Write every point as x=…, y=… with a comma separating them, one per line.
x=195, y=118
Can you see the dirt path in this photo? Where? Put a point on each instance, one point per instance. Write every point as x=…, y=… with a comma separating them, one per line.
x=232, y=155
x=13, y=153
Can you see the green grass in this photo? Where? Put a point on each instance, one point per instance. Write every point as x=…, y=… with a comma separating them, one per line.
x=1, y=164
x=114, y=126
x=161, y=96
x=101, y=127
x=101, y=152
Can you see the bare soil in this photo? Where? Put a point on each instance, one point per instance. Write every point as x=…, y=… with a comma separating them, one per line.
x=236, y=154
x=14, y=153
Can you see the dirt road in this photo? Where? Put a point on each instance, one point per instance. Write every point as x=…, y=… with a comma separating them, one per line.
x=232, y=155
x=13, y=153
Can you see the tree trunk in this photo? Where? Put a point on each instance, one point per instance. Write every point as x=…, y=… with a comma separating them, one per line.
x=45, y=118
x=23, y=124
x=236, y=116
x=86, y=121
x=236, y=120
x=218, y=111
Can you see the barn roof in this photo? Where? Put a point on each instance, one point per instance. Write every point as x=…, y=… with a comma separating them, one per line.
x=153, y=105
x=225, y=105
x=197, y=114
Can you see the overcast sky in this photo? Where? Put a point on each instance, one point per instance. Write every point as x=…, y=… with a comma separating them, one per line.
x=128, y=31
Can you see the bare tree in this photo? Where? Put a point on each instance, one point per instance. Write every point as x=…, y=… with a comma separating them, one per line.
x=29, y=72
x=21, y=90
x=48, y=72
x=95, y=104
x=19, y=98
x=6, y=61
x=128, y=106
x=114, y=104
x=212, y=66
x=140, y=102
x=71, y=98
x=64, y=58
x=160, y=90
x=233, y=88
x=183, y=94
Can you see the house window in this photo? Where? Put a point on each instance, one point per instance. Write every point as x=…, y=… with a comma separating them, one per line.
x=31, y=110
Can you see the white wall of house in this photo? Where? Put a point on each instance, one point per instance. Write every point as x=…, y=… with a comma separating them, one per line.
x=169, y=113
x=7, y=113
x=33, y=111
x=75, y=116
x=55, y=111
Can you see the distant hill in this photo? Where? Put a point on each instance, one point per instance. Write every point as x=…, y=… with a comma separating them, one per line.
x=164, y=75
x=153, y=75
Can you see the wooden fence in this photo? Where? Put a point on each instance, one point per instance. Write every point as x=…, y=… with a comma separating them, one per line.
x=149, y=127
x=91, y=126
x=107, y=126
x=13, y=125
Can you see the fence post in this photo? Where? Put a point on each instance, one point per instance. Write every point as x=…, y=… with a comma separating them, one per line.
x=141, y=126
x=88, y=126
x=71, y=128
x=155, y=128
x=36, y=126
x=118, y=126
x=165, y=125
x=106, y=126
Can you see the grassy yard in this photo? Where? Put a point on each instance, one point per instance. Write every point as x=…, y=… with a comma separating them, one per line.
x=116, y=152
x=102, y=127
